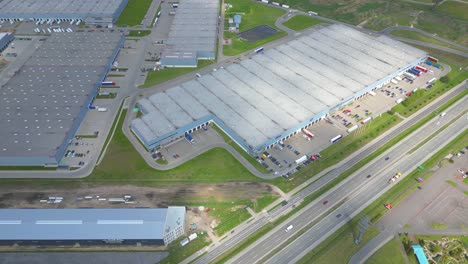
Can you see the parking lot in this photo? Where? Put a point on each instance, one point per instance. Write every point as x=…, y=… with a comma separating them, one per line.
x=341, y=122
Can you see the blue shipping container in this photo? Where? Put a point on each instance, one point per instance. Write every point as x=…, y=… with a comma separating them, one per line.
x=188, y=137
x=428, y=63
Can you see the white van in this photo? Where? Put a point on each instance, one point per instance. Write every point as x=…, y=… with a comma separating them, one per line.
x=443, y=114
x=289, y=228
x=198, y=75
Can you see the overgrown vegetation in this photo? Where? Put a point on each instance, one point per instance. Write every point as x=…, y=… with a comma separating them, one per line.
x=133, y=13
x=300, y=22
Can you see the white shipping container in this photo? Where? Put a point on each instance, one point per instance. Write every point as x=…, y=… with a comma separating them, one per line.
x=351, y=129
x=102, y=109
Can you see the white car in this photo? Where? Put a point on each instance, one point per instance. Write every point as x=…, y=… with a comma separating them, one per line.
x=289, y=228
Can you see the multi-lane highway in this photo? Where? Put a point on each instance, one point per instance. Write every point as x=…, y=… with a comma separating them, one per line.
x=357, y=189
x=216, y=251
x=365, y=195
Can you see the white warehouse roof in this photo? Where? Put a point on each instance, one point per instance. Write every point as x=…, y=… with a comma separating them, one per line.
x=261, y=97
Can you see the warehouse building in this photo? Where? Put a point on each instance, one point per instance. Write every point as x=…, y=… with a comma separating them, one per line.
x=146, y=226
x=261, y=101
x=5, y=39
x=44, y=102
x=193, y=33
x=90, y=11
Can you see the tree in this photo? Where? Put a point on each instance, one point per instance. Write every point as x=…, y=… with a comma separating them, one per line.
x=445, y=79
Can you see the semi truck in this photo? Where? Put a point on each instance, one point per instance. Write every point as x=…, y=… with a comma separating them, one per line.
x=188, y=137
x=307, y=133
x=409, y=76
x=102, y=109
x=421, y=68
x=302, y=159
x=107, y=83
x=432, y=59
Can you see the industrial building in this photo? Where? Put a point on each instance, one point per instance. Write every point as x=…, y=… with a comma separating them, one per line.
x=146, y=226
x=44, y=102
x=193, y=33
x=5, y=39
x=266, y=99
x=90, y=11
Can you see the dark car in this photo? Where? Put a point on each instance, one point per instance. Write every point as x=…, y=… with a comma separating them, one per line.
x=325, y=202
x=368, y=176
x=338, y=215
x=387, y=158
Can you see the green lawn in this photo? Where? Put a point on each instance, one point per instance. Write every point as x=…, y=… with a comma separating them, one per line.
x=134, y=13
x=453, y=184
x=390, y=253
x=244, y=154
x=340, y=246
x=253, y=15
x=138, y=33
x=438, y=226
x=424, y=38
x=454, y=9
x=300, y=22
x=177, y=253
x=157, y=77
x=264, y=201
x=230, y=215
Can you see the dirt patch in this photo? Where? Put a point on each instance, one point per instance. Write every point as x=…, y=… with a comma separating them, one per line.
x=227, y=42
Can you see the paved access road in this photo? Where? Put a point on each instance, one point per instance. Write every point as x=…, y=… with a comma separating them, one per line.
x=366, y=193
x=235, y=239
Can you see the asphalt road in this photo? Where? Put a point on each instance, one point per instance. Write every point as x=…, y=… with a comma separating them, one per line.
x=239, y=236
x=366, y=192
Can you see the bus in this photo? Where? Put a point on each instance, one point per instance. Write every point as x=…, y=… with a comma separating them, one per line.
x=258, y=50
x=335, y=139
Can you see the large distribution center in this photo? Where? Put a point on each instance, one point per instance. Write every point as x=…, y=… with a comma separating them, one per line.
x=43, y=104
x=90, y=11
x=266, y=99
x=147, y=226
x=193, y=33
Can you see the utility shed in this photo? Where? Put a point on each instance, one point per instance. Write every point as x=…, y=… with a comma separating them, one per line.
x=148, y=226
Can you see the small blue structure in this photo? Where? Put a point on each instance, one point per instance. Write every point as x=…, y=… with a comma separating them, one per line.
x=237, y=20
x=419, y=252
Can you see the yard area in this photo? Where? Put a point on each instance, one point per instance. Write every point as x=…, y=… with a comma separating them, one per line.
x=253, y=15
x=157, y=77
x=300, y=22
x=388, y=254
x=133, y=13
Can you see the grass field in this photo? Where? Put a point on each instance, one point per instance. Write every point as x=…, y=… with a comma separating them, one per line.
x=340, y=246
x=230, y=215
x=138, y=33
x=244, y=154
x=446, y=21
x=134, y=13
x=253, y=15
x=177, y=253
x=300, y=22
x=454, y=9
x=424, y=38
x=157, y=77
x=390, y=253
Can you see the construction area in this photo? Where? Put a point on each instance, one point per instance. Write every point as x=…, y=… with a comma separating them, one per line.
x=264, y=100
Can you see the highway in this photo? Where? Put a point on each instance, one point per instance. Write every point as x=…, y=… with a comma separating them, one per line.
x=217, y=251
x=365, y=196
x=357, y=191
